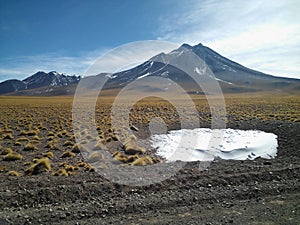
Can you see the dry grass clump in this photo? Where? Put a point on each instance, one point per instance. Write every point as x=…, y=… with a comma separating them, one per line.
x=67, y=154
x=5, y=131
x=135, y=160
x=115, y=137
x=22, y=139
x=8, y=137
x=81, y=164
x=66, y=170
x=131, y=147
x=49, y=155
x=12, y=156
x=39, y=166
x=36, y=137
x=30, y=147
x=143, y=161
x=49, y=144
x=29, y=133
x=76, y=148
x=124, y=158
x=90, y=168
x=51, y=133
x=68, y=143
x=61, y=172
x=17, y=143
x=70, y=168
x=95, y=157
x=13, y=173
x=86, y=166
x=6, y=151
x=34, y=141
x=100, y=146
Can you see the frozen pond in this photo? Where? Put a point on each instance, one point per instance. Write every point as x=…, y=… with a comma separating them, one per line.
x=205, y=144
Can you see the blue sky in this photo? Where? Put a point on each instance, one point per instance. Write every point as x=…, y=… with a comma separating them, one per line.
x=68, y=36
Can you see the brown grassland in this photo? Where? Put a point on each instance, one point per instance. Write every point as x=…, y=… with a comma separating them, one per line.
x=45, y=179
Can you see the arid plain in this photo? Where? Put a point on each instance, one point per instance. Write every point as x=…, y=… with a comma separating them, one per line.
x=46, y=180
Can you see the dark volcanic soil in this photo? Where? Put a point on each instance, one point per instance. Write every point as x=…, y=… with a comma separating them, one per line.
x=227, y=192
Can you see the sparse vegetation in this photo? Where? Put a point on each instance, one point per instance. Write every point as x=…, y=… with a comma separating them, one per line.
x=95, y=157
x=48, y=155
x=146, y=160
x=13, y=173
x=30, y=147
x=29, y=132
x=39, y=166
x=12, y=156
x=67, y=154
x=60, y=172
x=6, y=151
x=131, y=147
x=44, y=130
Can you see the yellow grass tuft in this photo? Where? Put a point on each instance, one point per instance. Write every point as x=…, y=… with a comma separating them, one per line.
x=8, y=137
x=60, y=172
x=34, y=141
x=146, y=160
x=48, y=155
x=131, y=147
x=30, y=147
x=67, y=154
x=100, y=146
x=68, y=143
x=29, y=133
x=95, y=157
x=17, y=143
x=22, y=139
x=6, y=151
x=76, y=148
x=36, y=137
x=13, y=173
x=12, y=157
x=40, y=166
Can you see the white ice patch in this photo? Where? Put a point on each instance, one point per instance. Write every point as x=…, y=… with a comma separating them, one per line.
x=227, y=82
x=200, y=71
x=145, y=75
x=204, y=144
x=111, y=76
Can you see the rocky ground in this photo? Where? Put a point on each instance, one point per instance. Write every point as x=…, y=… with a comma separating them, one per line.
x=227, y=192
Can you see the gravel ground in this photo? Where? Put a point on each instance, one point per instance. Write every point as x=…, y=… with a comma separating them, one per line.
x=227, y=192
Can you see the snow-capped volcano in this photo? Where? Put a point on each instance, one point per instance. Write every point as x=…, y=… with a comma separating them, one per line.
x=232, y=76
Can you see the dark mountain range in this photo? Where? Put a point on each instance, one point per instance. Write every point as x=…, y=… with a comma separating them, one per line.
x=45, y=82
x=231, y=76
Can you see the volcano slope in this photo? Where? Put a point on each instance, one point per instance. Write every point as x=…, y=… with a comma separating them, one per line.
x=69, y=191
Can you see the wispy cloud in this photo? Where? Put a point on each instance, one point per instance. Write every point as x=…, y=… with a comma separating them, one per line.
x=263, y=35
x=87, y=63
x=23, y=66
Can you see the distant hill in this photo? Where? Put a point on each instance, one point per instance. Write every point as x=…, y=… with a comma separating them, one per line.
x=45, y=82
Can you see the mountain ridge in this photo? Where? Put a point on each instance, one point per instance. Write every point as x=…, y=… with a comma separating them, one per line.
x=38, y=80
x=232, y=76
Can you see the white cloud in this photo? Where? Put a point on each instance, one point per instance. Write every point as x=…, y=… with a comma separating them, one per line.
x=88, y=63
x=129, y=55
x=245, y=31
x=24, y=66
